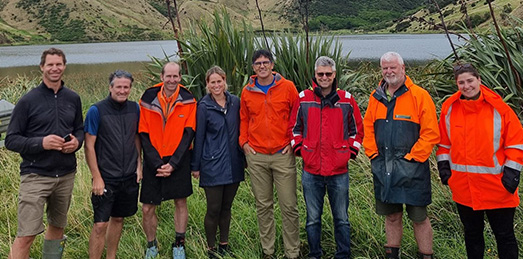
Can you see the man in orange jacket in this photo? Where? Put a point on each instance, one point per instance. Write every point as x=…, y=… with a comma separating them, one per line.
x=266, y=104
x=401, y=128
x=167, y=124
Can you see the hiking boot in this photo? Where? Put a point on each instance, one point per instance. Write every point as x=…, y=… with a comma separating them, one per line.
x=392, y=252
x=225, y=250
x=178, y=252
x=425, y=256
x=151, y=252
x=213, y=253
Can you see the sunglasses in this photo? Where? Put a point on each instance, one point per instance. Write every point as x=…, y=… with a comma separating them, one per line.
x=321, y=74
x=264, y=63
x=459, y=67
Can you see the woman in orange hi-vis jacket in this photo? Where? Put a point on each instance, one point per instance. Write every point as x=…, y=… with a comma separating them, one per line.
x=480, y=157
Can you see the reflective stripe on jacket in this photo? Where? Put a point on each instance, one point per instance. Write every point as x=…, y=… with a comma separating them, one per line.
x=478, y=138
x=265, y=117
x=326, y=131
x=399, y=137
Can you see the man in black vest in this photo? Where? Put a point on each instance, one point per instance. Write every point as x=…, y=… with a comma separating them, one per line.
x=112, y=151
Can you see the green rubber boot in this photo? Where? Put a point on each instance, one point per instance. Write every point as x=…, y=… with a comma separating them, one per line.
x=53, y=249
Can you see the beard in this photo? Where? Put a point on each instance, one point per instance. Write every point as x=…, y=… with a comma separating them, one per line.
x=393, y=79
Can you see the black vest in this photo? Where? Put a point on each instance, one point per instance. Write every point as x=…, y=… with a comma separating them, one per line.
x=115, y=147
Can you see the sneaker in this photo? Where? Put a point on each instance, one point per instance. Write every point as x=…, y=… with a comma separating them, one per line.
x=178, y=252
x=151, y=252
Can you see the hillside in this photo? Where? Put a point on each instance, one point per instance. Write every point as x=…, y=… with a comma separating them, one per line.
x=118, y=20
x=428, y=19
x=44, y=21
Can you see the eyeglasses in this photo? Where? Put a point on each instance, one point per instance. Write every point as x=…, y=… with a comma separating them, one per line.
x=264, y=63
x=321, y=74
x=459, y=67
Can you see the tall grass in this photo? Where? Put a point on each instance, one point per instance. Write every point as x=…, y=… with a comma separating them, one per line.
x=368, y=235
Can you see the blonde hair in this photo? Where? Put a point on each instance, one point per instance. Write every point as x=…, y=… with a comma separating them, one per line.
x=215, y=70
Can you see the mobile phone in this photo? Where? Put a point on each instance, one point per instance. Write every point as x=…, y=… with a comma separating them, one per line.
x=67, y=138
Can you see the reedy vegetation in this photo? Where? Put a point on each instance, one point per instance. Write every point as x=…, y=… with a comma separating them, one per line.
x=368, y=234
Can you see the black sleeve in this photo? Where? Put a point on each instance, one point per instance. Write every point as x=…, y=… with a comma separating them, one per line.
x=510, y=179
x=15, y=139
x=199, y=137
x=444, y=171
x=151, y=155
x=187, y=137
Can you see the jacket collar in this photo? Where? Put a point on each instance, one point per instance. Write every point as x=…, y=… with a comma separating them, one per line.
x=116, y=105
x=45, y=87
x=332, y=98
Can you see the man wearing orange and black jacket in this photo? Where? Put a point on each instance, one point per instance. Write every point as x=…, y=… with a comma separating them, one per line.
x=401, y=128
x=167, y=125
x=265, y=107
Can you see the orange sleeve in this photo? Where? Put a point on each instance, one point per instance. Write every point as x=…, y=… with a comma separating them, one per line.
x=244, y=120
x=444, y=145
x=369, y=140
x=143, y=124
x=429, y=129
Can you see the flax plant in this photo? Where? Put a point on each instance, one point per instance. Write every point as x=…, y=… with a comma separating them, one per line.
x=291, y=56
x=221, y=42
x=485, y=51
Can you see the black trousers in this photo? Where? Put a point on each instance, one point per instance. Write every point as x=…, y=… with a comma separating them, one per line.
x=219, y=203
x=502, y=223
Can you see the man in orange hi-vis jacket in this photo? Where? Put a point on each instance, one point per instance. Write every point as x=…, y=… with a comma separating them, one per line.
x=401, y=129
x=167, y=125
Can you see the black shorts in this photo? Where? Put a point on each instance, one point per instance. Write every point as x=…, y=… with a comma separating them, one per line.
x=120, y=200
x=176, y=186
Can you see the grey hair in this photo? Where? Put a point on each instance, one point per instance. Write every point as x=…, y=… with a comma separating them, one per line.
x=390, y=56
x=325, y=61
x=120, y=74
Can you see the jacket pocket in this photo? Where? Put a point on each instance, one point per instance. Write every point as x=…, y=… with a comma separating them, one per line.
x=310, y=154
x=342, y=155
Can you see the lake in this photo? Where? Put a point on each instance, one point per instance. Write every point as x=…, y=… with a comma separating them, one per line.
x=25, y=59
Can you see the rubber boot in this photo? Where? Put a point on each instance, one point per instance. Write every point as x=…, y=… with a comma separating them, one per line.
x=425, y=256
x=53, y=249
x=392, y=252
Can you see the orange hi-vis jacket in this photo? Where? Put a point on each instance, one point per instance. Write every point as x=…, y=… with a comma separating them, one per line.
x=264, y=118
x=478, y=139
x=171, y=131
x=400, y=134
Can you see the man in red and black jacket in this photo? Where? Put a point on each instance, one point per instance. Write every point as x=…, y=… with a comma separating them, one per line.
x=327, y=130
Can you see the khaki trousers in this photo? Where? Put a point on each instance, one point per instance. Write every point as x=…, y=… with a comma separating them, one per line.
x=276, y=170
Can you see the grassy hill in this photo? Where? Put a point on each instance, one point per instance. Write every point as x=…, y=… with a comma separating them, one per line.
x=33, y=21
x=44, y=21
x=428, y=19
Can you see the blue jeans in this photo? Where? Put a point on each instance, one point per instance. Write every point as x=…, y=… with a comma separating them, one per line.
x=337, y=187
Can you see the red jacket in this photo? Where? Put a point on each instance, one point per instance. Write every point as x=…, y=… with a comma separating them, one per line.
x=326, y=131
x=478, y=139
x=264, y=117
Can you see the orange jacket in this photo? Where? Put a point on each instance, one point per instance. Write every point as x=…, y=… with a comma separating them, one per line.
x=399, y=137
x=171, y=135
x=479, y=138
x=265, y=117
x=414, y=106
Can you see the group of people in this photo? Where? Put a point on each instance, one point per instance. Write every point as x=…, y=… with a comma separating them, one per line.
x=479, y=155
